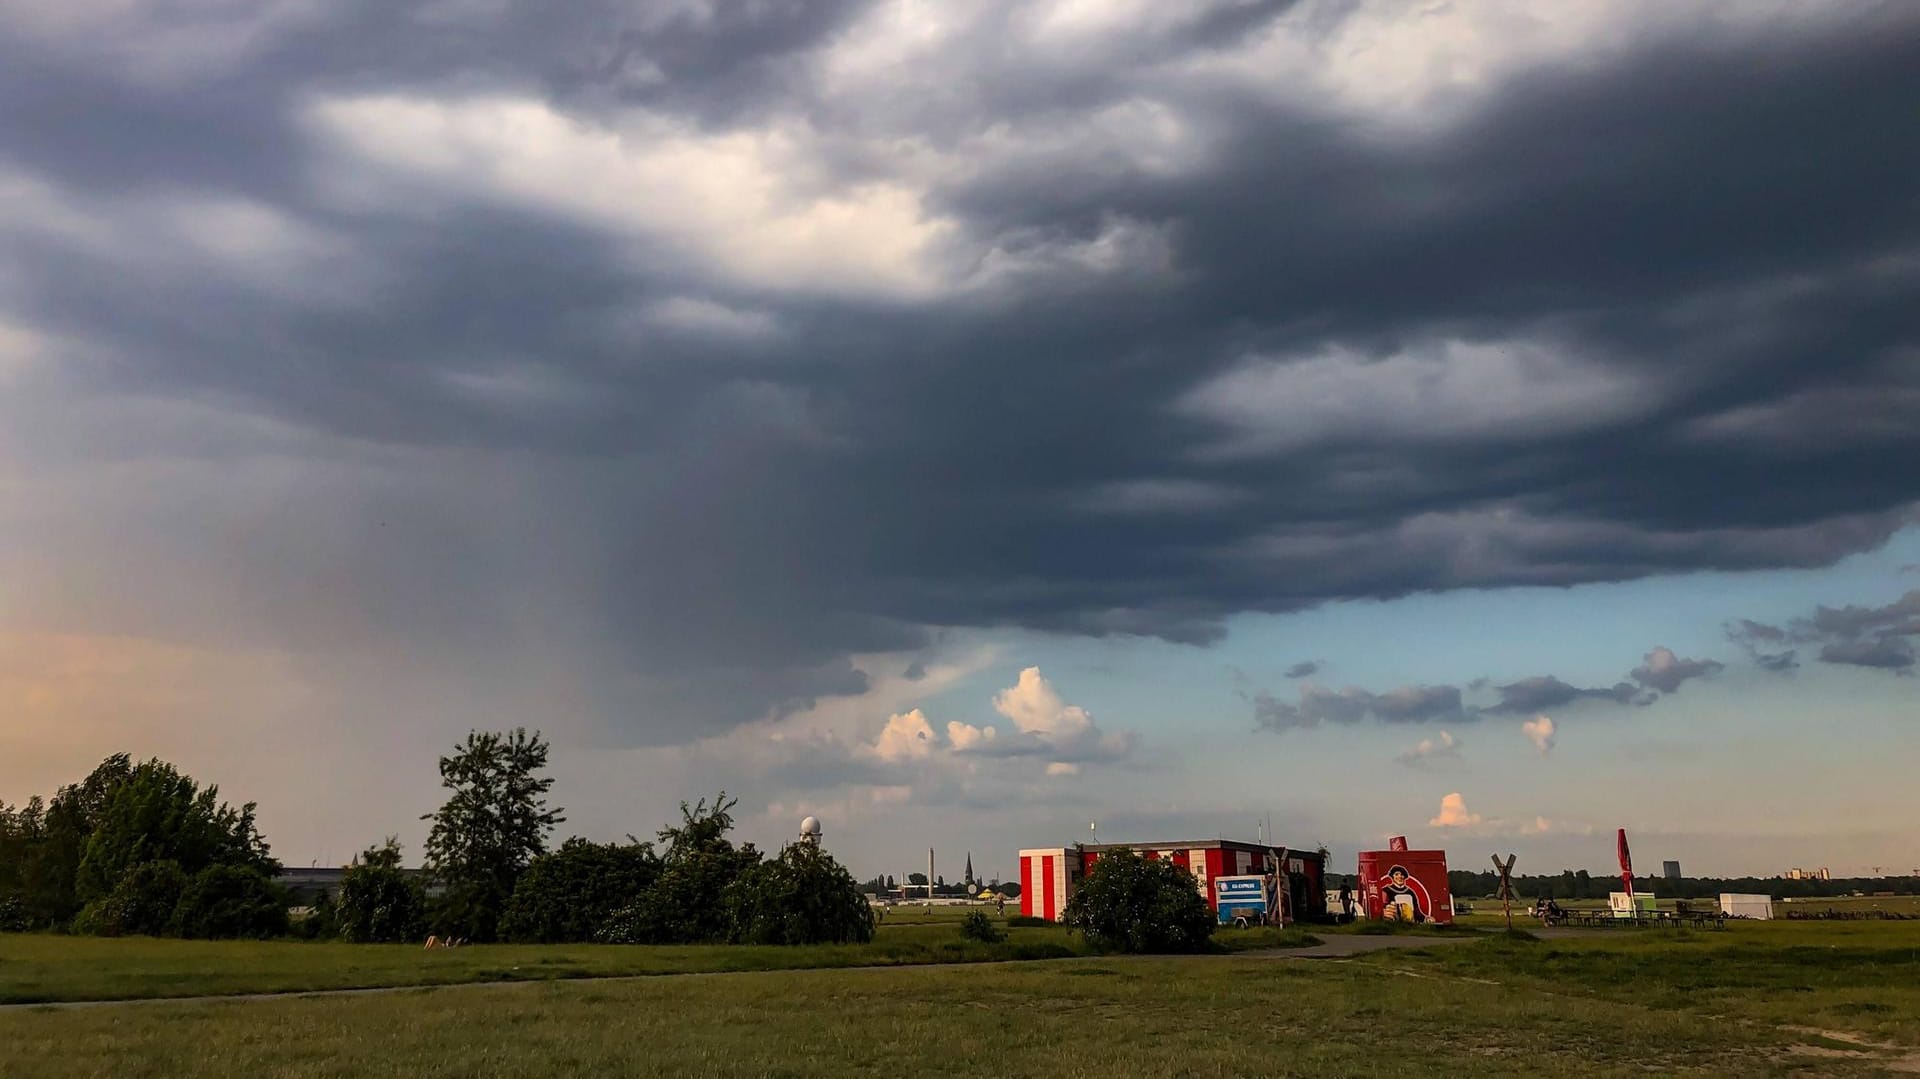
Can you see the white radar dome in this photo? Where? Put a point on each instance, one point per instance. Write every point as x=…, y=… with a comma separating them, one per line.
x=810, y=826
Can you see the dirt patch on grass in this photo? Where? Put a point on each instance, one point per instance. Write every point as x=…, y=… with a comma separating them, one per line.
x=1844, y=1044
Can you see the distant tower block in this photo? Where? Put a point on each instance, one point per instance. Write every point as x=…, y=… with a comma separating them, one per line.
x=810, y=831
x=1670, y=870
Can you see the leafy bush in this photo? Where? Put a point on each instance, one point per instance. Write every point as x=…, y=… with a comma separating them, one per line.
x=977, y=926
x=319, y=922
x=379, y=903
x=1027, y=921
x=1134, y=904
x=142, y=902
x=224, y=902
x=801, y=897
x=635, y=923
x=13, y=915
x=688, y=903
x=569, y=895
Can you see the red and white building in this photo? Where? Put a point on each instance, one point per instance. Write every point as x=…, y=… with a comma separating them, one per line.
x=1049, y=875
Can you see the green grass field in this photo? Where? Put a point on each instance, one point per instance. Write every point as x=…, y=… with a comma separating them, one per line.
x=1760, y=999
x=1893, y=904
x=43, y=968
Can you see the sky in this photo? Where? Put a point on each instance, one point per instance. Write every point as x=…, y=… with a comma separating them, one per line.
x=971, y=423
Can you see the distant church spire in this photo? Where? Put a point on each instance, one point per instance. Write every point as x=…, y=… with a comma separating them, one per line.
x=969, y=867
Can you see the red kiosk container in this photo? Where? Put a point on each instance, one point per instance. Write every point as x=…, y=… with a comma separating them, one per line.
x=1406, y=885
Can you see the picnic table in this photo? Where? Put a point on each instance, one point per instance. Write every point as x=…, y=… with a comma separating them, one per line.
x=1669, y=919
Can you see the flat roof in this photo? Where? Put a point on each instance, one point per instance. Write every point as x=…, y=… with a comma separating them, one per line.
x=1202, y=844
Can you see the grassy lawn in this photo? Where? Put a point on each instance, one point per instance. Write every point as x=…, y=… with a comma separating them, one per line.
x=39, y=968
x=1760, y=999
x=1112, y=1018
x=1908, y=905
x=1858, y=977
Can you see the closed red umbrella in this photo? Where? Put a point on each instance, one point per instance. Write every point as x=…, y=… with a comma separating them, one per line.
x=1626, y=866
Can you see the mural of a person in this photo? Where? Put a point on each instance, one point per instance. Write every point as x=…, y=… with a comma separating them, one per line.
x=1403, y=897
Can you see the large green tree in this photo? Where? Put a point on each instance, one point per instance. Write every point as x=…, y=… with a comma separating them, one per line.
x=157, y=814
x=494, y=824
x=42, y=842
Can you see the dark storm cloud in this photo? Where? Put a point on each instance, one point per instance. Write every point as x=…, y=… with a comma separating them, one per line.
x=408, y=406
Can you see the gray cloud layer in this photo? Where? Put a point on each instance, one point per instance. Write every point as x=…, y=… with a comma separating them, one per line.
x=1852, y=636
x=338, y=365
x=1660, y=672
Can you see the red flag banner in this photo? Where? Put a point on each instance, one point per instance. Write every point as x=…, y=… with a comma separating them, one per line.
x=1626, y=863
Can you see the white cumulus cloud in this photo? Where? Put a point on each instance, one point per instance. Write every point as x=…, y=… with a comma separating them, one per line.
x=1454, y=813
x=906, y=737
x=1540, y=731
x=1067, y=730
x=1427, y=749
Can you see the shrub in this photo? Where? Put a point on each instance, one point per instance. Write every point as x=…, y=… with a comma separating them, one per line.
x=142, y=902
x=379, y=903
x=801, y=897
x=1027, y=921
x=570, y=895
x=13, y=915
x=635, y=923
x=319, y=922
x=224, y=902
x=689, y=902
x=977, y=926
x=1134, y=904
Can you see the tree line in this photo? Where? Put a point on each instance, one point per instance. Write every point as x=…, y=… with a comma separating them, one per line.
x=885, y=884
x=142, y=849
x=1580, y=884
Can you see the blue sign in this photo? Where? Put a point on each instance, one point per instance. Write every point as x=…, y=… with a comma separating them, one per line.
x=1245, y=888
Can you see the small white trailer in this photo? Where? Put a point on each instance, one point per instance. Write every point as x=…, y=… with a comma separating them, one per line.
x=1746, y=905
